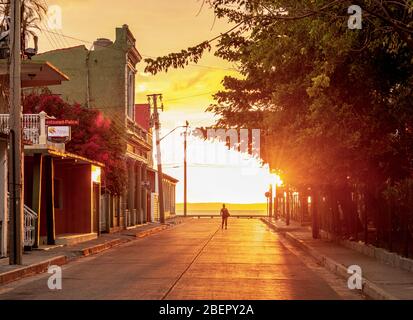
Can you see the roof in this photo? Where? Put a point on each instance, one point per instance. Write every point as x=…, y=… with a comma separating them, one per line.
x=63, y=155
x=172, y=179
x=35, y=73
x=168, y=177
x=62, y=49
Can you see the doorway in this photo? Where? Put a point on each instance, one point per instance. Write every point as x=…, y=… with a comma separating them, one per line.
x=96, y=208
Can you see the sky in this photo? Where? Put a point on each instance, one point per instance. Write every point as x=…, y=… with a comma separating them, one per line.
x=161, y=27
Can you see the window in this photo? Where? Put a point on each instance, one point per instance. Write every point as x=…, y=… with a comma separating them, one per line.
x=131, y=94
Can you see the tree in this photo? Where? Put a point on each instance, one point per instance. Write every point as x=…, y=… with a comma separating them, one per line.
x=384, y=16
x=32, y=13
x=313, y=86
x=95, y=138
x=334, y=104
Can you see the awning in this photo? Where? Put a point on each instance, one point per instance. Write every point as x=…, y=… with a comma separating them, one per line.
x=62, y=155
x=35, y=73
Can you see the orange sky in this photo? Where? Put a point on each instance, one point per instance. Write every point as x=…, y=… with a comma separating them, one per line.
x=161, y=27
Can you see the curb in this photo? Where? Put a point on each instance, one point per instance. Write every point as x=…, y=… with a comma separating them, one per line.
x=31, y=270
x=101, y=247
x=42, y=267
x=369, y=289
x=146, y=233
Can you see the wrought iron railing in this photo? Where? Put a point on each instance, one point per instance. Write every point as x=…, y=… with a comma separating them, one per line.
x=31, y=125
x=30, y=221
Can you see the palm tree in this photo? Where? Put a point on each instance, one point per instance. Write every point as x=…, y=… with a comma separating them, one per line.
x=32, y=13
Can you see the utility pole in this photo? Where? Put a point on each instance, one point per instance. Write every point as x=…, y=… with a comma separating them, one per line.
x=154, y=99
x=15, y=123
x=185, y=171
x=270, y=201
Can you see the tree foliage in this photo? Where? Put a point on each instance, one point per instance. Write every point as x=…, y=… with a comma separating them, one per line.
x=334, y=104
x=32, y=14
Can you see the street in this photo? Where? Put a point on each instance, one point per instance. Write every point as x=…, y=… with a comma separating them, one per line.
x=194, y=260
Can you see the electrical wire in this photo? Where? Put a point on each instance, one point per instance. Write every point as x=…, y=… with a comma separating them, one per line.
x=58, y=32
x=143, y=55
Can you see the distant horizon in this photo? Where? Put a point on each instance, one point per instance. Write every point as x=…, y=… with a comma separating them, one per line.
x=222, y=202
x=208, y=206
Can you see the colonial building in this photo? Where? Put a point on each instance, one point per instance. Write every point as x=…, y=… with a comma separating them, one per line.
x=33, y=74
x=103, y=77
x=53, y=177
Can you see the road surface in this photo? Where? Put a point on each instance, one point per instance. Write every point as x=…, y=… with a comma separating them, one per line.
x=194, y=260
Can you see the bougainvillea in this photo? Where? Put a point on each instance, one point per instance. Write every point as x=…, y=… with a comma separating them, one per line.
x=96, y=137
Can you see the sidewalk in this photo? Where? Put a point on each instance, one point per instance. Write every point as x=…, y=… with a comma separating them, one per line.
x=38, y=261
x=380, y=280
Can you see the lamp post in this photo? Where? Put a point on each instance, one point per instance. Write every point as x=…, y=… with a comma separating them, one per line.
x=185, y=171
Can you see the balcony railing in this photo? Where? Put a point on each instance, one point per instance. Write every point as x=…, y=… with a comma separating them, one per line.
x=30, y=221
x=139, y=132
x=33, y=125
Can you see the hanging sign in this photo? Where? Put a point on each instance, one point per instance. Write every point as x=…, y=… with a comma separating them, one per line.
x=59, y=134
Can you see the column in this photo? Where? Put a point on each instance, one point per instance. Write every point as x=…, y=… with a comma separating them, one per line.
x=119, y=208
x=123, y=209
x=144, y=195
x=43, y=134
x=111, y=212
x=131, y=191
x=37, y=193
x=3, y=198
x=50, y=215
x=106, y=208
x=138, y=193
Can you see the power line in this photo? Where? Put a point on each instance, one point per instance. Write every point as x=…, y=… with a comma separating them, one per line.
x=50, y=38
x=167, y=100
x=189, y=97
x=143, y=55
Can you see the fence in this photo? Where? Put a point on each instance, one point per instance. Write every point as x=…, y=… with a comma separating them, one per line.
x=383, y=218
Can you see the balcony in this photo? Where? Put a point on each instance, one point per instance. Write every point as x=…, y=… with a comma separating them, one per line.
x=140, y=134
x=33, y=125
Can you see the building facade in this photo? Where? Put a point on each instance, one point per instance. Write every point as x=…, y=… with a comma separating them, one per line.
x=103, y=77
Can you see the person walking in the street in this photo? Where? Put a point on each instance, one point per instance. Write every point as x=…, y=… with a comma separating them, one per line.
x=224, y=214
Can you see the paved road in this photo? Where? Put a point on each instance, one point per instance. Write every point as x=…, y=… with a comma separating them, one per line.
x=195, y=260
